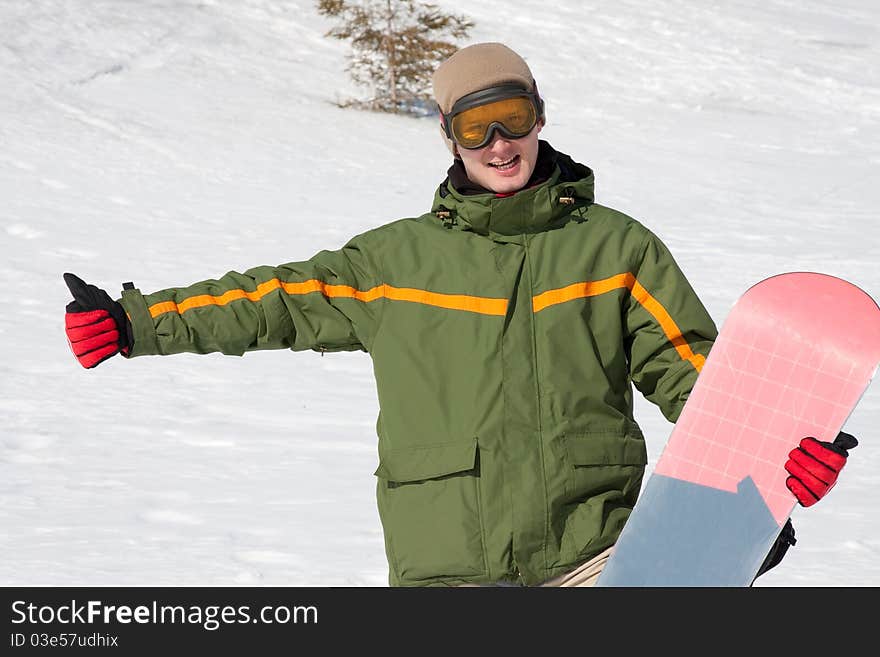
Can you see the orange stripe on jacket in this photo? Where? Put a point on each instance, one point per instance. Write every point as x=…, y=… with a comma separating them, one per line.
x=639, y=293
x=481, y=305
x=581, y=290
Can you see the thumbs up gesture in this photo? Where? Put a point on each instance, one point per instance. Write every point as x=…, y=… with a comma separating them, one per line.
x=96, y=325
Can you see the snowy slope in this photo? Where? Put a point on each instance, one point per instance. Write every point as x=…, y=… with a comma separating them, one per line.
x=171, y=141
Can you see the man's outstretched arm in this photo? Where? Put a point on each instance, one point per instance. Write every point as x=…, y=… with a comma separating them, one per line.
x=326, y=303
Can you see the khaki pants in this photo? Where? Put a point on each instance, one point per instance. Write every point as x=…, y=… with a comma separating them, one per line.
x=584, y=575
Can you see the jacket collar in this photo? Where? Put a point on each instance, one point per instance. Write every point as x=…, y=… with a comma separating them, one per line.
x=535, y=208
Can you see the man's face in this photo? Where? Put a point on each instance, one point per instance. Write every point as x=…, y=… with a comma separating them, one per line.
x=503, y=165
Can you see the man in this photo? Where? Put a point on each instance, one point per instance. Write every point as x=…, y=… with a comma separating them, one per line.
x=505, y=325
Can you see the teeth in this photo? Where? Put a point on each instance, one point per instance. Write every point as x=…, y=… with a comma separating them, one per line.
x=502, y=165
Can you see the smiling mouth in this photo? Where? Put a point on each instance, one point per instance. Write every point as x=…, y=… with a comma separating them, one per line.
x=506, y=165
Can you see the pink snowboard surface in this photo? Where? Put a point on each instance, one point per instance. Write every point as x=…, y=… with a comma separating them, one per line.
x=795, y=356
x=792, y=359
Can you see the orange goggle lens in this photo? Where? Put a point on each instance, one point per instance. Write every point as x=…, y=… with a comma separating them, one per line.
x=515, y=117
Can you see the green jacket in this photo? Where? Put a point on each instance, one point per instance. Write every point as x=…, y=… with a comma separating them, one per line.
x=505, y=334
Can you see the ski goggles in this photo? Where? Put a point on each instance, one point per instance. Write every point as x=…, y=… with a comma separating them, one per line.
x=508, y=109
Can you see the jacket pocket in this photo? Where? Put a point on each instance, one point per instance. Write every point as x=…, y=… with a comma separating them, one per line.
x=605, y=462
x=605, y=448
x=429, y=503
x=602, y=482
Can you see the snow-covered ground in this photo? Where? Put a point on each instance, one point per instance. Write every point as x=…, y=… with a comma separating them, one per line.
x=171, y=141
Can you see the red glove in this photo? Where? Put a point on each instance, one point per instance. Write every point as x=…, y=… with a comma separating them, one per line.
x=96, y=325
x=813, y=467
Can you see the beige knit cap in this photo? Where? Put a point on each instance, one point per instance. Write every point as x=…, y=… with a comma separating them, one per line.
x=477, y=67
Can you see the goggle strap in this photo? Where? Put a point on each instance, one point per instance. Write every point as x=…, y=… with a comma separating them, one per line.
x=486, y=96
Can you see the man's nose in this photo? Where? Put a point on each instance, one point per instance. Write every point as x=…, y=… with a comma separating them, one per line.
x=495, y=138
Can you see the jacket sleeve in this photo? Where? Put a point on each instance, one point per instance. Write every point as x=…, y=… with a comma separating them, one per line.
x=669, y=331
x=326, y=303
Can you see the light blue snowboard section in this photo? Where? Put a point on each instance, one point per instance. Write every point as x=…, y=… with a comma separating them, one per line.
x=685, y=534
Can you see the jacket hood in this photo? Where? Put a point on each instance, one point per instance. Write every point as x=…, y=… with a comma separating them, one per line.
x=533, y=209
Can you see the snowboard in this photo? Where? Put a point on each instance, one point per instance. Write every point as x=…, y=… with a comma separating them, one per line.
x=792, y=359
